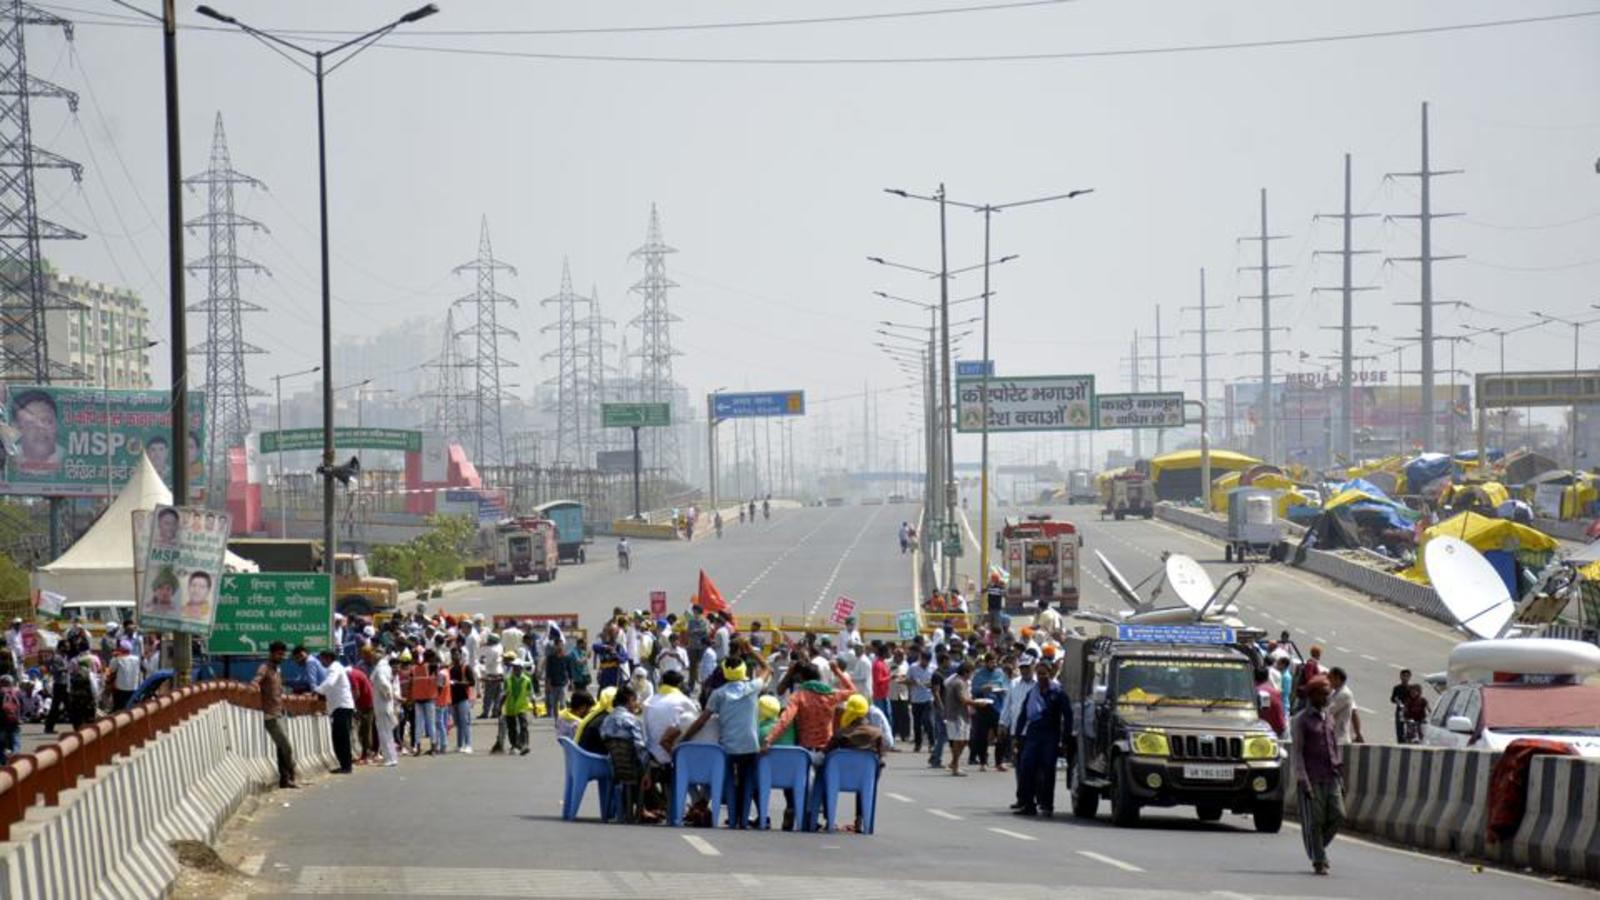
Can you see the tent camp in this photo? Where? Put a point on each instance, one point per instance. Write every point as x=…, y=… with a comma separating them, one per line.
x=1177, y=474
x=1502, y=542
x=100, y=565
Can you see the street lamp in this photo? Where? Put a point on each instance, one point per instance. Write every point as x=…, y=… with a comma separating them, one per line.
x=318, y=57
x=1577, y=327
x=283, y=512
x=105, y=403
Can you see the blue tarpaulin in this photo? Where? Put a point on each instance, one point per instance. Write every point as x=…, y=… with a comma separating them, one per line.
x=1364, y=486
x=1426, y=469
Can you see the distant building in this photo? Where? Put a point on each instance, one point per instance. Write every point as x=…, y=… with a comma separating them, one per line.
x=107, y=318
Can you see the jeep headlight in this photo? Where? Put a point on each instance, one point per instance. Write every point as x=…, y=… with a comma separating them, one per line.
x=1260, y=747
x=1150, y=743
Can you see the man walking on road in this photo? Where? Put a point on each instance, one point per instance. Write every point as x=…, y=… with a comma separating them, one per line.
x=335, y=689
x=958, y=714
x=269, y=681
x=1314, y=755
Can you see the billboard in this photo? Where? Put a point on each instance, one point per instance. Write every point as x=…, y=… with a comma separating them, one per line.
x=1153, y=410
x=84, y=442
x=292, y=439
x=758, y=405
x=1567, y=388
x=182, y=569
x=1027, y=403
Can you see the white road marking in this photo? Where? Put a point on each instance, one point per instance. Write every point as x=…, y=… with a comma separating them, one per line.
x=1110, y=861
x=1369, y=657
x=701, y=844
x=900, y=797
x=828, y=588
x=944, y=815
x=1344, y=649
x=1014, y=834
x=781, y=557
x=746, y=879
x=251, y=865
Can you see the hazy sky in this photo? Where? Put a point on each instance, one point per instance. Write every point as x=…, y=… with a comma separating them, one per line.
x=770, y=177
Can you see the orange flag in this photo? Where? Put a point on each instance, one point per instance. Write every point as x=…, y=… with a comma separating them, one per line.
x=710, y=599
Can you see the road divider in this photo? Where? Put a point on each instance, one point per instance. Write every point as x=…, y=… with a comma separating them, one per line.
x=118, y=791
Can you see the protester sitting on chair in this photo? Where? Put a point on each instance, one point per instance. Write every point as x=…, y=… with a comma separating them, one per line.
x=855, y=733
x=624, y=739
x=588, y=736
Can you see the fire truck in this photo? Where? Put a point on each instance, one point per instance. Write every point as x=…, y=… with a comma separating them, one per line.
x=523, y=547
x=1041, y=562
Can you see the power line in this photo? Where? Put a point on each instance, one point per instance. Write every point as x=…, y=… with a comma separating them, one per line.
x=927, y=60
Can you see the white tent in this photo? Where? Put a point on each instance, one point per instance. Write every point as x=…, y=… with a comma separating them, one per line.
x=100, y=565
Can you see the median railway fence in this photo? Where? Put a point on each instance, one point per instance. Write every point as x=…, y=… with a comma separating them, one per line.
x=93, y=814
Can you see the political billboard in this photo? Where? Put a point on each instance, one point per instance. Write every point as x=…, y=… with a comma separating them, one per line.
x=182, y=569
x=1150, y=410
x=85, y=442
x=1028, y=403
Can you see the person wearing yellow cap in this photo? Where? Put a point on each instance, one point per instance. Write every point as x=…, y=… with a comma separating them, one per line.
x=588, y=733
x=736, y=705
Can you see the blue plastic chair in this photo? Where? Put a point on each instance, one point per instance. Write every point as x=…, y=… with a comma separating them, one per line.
x=783, y=768
x=582, y=768
x=846, y=770
x=697, y=763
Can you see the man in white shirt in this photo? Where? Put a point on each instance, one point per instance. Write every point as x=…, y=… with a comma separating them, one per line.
x=849, y=635
x=335, y=690
x=673, y=656
x=125, y=676
x=490, y=663
x=860, y=668
x=1342, y=709
x=1049, y=619
x=663, y=711
x=723, y=637
x=708, y=663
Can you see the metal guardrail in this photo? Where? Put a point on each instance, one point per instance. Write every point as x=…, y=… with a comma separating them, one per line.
x=49, y=770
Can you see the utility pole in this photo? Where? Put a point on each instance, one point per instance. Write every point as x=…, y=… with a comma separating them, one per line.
x=1205, y=351
x=654, y=321
x=1268, y=419
x=1133, y=385
x=1347, y=290
x=1426, y=258
x=1161, y=433
x=571, y=355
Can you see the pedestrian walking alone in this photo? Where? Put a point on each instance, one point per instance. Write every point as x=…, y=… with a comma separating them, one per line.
x=1318, y=768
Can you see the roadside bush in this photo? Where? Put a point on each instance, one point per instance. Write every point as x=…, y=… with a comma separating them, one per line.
x=434, y=556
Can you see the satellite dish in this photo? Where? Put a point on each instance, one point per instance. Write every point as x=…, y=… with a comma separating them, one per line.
x=1190, y=582
x=1468, y=586
x=1118, y=583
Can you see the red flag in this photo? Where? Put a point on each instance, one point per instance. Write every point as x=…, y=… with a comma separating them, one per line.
x=710, y=599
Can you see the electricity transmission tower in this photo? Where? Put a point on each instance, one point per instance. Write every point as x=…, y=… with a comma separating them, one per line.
x=571, y=355
x=446, y=415
x=660, y=445
x=594, y=387
x=1425, y=260
x=1268, y=422
x=24, y=296
x=224, y=348
x=488, y=439
x=1345, y=435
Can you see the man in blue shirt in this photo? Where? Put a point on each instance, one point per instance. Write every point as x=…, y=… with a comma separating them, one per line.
x=736, y=704
x=988, y=684
x=1044, y=725
x=313, y=672
x=920, y=676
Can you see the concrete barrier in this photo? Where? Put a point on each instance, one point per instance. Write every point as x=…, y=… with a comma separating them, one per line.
x=1560, y=829
x=109, y=836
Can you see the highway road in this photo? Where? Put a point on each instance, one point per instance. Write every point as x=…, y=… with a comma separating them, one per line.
x=489, y=826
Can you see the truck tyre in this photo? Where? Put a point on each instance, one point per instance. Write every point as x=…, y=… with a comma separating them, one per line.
x=355, y=605
x=1124, y=806
x=1268, y=817
x=1227, y=553
x=1085, y=800
x=1208, y=812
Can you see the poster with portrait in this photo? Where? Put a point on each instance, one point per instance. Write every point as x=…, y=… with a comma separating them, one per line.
x=182, y=569
x=86, y=442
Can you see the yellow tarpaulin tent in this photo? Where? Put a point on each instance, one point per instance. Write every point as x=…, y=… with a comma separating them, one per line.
x=1484, y=534
x=1221, y=461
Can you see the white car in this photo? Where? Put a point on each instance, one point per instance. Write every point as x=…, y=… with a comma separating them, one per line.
x=1490, y=716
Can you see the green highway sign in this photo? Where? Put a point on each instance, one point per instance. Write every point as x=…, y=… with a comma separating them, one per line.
x=256, y=608
x=952, y=547
x=635, y=415
x=292, y=439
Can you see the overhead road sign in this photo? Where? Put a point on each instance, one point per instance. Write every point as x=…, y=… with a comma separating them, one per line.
x=292, y=439
x=1497, y=391
x=758, y=405
x=1027, y=403
x=1148, y=410
x=974, y=368
x=635, y=415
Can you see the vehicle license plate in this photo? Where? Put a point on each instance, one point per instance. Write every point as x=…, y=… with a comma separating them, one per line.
x=1208, y=773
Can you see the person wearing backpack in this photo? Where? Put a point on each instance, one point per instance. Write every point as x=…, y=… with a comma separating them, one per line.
x=10, y=718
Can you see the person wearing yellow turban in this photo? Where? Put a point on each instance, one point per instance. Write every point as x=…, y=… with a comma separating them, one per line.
x=595, y=717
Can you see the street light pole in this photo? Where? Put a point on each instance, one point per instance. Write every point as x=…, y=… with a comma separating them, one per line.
x=283, y=511
x=319, y=73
